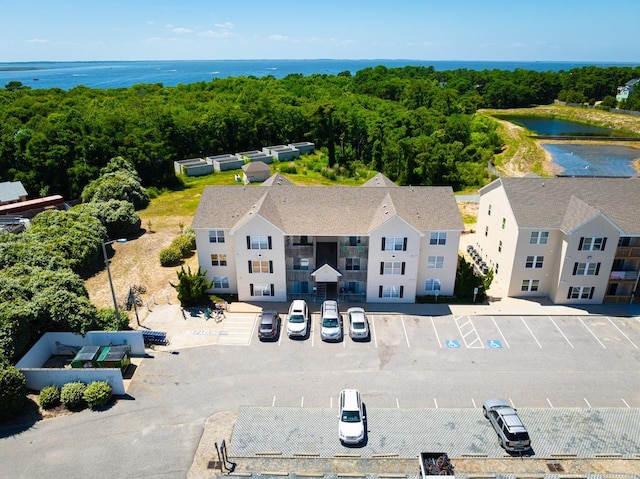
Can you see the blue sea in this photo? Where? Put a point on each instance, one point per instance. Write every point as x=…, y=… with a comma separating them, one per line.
x=118, y=74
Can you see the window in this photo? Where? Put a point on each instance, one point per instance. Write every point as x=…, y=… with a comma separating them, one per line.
x=534, y=262
x=586, y=269
x=216, y=236
x=301, y=264
x=301, y=287
x=260, y=266
x=438, y=237
x=580, y=292
x=352, y=287
x=221, y=281
x=352, y=264
x=530, y=285
x=489, y=211
x=391, y=291
x=500, y=246
x=301, y=240
x=391, y=243
x=435, y=262
x=392, y=267
x=261, y=289
x=218, y=260
x=592, y=244
x=504, y=222
x=432, y=285
x=539, y=237
x=354, y=241
x=258, y=242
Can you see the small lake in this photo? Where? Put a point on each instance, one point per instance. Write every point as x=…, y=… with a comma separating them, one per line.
x=594, y=160
x=556, y=127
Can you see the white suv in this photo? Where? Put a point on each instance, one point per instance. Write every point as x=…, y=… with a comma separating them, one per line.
x=351, y=420
x=298, y=318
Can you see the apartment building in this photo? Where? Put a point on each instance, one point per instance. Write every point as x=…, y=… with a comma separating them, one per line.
x=572, y=240
x=376, y=243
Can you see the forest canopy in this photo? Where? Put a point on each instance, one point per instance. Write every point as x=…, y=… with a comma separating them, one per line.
x=416, y=125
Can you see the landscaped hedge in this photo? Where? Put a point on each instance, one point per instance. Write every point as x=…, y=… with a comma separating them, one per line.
x=72, y=395
x=97, y=394
x=13, y=392
x=170, y=256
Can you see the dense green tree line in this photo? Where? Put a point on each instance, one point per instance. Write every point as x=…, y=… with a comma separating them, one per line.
x=415, y=124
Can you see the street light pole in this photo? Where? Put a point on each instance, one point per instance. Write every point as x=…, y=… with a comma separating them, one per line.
x=106, y=262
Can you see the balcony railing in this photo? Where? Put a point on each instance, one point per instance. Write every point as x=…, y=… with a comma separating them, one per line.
x=347, y=251
x=623, y=276
x=351, y=275
x=628, y=252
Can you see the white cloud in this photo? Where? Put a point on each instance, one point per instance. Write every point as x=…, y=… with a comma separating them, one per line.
x=225, y=25
x=214, y=34
x=181, y=30
x=283, y=38
x=38, y=40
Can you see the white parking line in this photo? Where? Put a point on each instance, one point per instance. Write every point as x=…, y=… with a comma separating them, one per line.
x=406, y=336
x=550, y=405
x=585, y=400
x=531, y=332
x=435, y=401
x=500, y=331
x=592, y=334
x=620, y=331
x=436, y=332
x=397, y=403
x=625, y=403
x=560, y=331
x=302, y=402
x=373, y=329
x=331, y=402
x=473, y=401
x=273, y=403
x=467, y=328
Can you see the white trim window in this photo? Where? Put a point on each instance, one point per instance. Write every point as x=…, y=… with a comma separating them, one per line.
x=258, y=242
x=592, y=244
x=539, y=237
x=394, y=243
x=435, y=262
x=432, y=285
x=392, y=267
x=352, y=264
x=438, y=238
x=260, y=266
x=301, y=264
x=261, y=289
x=580, y=292
x=534, y=262
x=218, y=259
x=216, y=236
x=530, y=285
x=221, y=282
x=586, y=269
x=391, y=291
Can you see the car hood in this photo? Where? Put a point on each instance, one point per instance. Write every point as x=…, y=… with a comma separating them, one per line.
x=296, y=327
x=351, y=429
x=330, y=330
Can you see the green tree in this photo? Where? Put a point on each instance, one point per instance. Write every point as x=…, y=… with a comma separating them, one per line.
x=118, y=185
x=13, y=392
x=117, y=216
x=191, y=287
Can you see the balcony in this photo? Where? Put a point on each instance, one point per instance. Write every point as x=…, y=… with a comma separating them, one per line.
x=354, y=275
x=628, y=252
x=623, y=276
x=358, y=251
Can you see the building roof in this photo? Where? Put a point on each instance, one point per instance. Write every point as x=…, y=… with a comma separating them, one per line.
x=565, y=203
x=379, y=180
x=11, y=191
x=255, y=167
x=329, y=210
x=276, y=180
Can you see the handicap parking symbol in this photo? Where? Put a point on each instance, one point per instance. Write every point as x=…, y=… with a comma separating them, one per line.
x=494, y=344
x=453, y=343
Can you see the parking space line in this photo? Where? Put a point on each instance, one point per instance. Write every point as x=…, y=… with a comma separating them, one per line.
x=373, y=329
x=550, y=405
x=560, y=331
x=406, y=336
x=302, y=402
x=435, y=401
x=436, y=332
x=273, y=403
x=531, y=332
x=397, y=403
x=473, y=401
x=585, y=400
x=625, y=403
x=330, y=402
x=500, y=331
x=592, y=333
x=620, y=331
x=470, y=329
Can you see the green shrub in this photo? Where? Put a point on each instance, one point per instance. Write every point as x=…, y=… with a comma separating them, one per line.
x=72, y=395
x=13, y=392
x=182, y=243
x=97, y=394
x=289, y=168
x=170, y=256
x=49, y=397
x=189, y=233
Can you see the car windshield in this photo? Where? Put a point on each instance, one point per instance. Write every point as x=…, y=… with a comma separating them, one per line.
x=330, y=322
x=296, y=318
x=358, y=325
x=266, y=326
x=350, y=416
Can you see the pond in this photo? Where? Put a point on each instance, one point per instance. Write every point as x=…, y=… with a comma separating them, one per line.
x=556, y=127
x=594, y=159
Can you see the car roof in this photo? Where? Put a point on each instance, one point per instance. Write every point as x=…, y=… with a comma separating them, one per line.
x=350, y=398
x=496, y=403
x=298, y=304
x=268, y=316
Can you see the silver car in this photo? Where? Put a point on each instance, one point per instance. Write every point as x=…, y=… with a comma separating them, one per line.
x=331, y=321
x=358, y=323
x=512, y=435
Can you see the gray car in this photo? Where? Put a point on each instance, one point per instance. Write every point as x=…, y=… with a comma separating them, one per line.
x=330, y=321
x=358, y=323
x=512, y=435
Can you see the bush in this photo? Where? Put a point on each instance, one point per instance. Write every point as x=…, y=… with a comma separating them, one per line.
x=97, y=394
x=49, y=397
x=183, y=243
x=191, y=235
x=170, y=256
x=72, y=395
x=13, y=392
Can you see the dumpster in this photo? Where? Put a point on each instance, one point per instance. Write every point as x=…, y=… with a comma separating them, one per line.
x=115, y=357
x=86, y=357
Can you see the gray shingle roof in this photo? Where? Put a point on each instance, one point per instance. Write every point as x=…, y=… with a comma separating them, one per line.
x=329, y=210
x=379, y=180
x=11, y=191
x=276, y=180
x=564, y=203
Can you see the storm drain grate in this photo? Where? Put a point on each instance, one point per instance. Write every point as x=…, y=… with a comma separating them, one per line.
x=555, y=467
x=214, y=465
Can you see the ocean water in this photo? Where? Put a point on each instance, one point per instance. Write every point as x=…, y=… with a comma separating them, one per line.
x=118, y=74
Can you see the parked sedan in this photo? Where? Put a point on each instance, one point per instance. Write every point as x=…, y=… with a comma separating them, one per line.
x=331, y=322
x=358, y=323
x=269, y=328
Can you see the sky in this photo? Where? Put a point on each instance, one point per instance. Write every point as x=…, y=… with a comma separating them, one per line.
x=490, y=30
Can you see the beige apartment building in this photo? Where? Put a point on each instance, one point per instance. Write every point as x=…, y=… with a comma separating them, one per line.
x=572, y=240
x=375, y=243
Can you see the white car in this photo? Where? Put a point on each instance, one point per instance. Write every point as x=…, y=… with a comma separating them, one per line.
x=298, y=321
x=351, y=419
x=330, y=321
x=358, y=323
